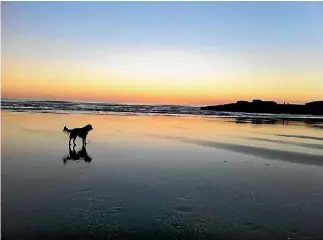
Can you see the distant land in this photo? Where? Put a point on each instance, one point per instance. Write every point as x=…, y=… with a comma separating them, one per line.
x=259, y=106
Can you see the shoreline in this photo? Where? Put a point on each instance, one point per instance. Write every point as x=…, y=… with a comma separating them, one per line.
x=241, y=118
x=239, y=113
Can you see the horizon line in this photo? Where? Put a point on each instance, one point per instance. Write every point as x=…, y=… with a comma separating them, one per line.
x=89, y=101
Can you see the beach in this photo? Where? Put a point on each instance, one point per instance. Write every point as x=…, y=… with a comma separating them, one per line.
x=160, y=177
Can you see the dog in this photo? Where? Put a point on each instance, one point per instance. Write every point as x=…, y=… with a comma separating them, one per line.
x=78, y=132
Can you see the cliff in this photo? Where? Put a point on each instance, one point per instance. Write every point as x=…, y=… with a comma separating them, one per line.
x=259, y=106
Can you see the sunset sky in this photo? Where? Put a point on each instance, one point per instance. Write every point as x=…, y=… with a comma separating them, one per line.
x=163, y=52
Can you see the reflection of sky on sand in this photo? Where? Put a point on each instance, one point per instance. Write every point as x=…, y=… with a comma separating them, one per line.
x=130, y=133
x=133, y=132
x=114, y=128
x=169, y=174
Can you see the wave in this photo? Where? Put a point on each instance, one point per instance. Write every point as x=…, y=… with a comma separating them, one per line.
x=45, y=106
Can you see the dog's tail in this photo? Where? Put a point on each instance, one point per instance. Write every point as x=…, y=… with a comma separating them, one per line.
x=66, y=130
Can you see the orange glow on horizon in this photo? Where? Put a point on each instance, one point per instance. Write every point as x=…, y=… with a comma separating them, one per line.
x=124, y=82
x=112, y=95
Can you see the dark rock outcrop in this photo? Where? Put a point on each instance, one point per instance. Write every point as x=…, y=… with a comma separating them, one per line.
x=259, y=106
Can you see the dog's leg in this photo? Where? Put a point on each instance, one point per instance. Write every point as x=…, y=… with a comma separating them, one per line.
x=74, y=141
x=84, y=141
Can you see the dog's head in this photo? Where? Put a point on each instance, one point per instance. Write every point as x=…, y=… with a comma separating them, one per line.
x=89, y=127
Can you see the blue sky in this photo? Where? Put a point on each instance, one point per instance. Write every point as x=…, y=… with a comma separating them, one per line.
x=163, y=52
x=197, y=24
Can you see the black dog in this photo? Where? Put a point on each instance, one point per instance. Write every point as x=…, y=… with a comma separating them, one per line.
x=78, y=132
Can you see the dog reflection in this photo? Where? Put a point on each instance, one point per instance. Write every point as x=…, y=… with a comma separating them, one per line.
x=79, y=155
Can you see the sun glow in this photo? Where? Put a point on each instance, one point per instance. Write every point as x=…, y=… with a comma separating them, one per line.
x=162, y=75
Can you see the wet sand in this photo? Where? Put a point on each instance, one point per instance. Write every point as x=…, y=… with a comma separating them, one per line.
x=160, y=177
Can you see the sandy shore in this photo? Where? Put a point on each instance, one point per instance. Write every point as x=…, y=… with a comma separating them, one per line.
x=160, y=177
